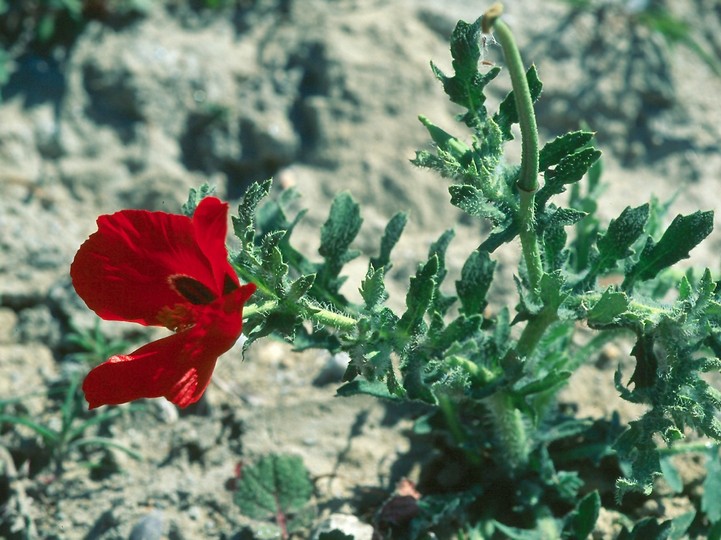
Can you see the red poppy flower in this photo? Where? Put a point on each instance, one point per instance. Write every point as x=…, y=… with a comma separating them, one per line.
x=160, y=269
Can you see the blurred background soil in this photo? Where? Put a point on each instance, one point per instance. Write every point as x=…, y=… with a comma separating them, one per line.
x=139, y=105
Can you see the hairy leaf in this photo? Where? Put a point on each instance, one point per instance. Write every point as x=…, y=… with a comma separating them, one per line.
x=684, y=233
x=457, y=149
x=466, y=86
x=299, y=288
x=277, y=485
x=560, y=147
x=274, y=268
x=336, y=235
x=420, y=296
x=476, y=278
x=441, y=302
x=570, y=169
x=373, y=288
x=621, y=234
x=340, y=229
x=194, y=198
x=611, y=304
x=390, y=238
x=244, y=224
x=472, y=201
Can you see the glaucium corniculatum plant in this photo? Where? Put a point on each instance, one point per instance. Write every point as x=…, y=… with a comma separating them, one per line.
x=485, y=377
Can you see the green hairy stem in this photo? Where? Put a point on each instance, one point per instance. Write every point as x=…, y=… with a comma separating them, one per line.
x=528, y=180
x=315, y=314
x=510, y=429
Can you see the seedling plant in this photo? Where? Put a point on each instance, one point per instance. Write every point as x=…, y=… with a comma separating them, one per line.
x=70, y=430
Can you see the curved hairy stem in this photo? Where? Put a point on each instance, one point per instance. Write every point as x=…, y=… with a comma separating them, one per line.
x=528, y=180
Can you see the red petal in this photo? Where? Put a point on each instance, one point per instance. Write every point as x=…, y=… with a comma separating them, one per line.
x=178, y=367
x=211, y=228
x=122, y=271
x=175, y=367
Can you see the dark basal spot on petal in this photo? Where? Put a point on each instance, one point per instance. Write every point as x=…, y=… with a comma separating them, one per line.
x=229, y=285
x=192, y=290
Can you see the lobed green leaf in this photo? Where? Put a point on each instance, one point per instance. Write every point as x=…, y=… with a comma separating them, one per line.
x=299, y=288
x=466, y=86
x=570, y=169
x=476, y=278
x=472, y=201
x=194, y=198
x=244, y=223
x=562, y=146
x=340, y=229
x=621, y=234
x=373, y=288
x=390, y=238
x=611, y=304
x=336, y=235
x=684, y=233
x=420, y=297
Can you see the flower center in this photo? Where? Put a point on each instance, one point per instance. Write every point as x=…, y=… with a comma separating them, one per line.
x=177, y=318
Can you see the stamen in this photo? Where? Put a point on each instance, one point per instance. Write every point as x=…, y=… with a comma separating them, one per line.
x=177, y=318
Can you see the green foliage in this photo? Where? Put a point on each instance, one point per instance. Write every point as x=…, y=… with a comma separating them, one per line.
x=615, y=244
x=672, y=529
x=73, y=422
x=684, y=233
x=337, y=233
x=277, y=490
x=581, y=522
x=488, y=378
x=291, y=287
x=710, y=503
x=194, y=198
x=466, y=86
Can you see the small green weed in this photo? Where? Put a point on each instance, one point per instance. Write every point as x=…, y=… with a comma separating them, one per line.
x=62, y=434
x=93, y=346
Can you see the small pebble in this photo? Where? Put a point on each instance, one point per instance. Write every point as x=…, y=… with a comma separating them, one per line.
x=345, y=523
x=150, y=527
